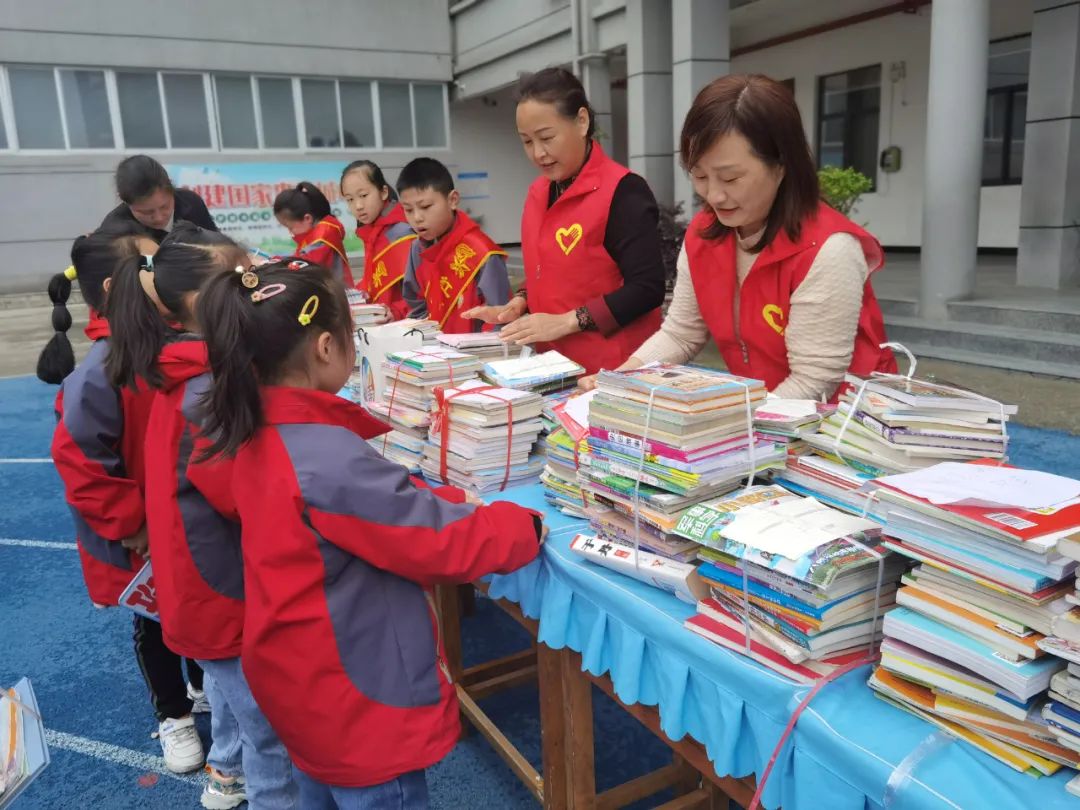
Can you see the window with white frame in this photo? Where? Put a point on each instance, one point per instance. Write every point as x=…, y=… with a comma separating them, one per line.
x=56, y=109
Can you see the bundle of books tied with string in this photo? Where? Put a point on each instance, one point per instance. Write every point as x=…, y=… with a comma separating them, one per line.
x=976, y=642
x=543, y=373
x=565, y=444
x=408, y=396
x=484, y=346
x=794, y=584
x=891, y=423
x=483, y=438
x=661, y=439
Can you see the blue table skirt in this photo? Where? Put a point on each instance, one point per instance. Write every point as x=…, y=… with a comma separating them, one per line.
x=846, y=745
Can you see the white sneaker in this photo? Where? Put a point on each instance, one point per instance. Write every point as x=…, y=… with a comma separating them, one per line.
x=181, y=745
x=198, y=698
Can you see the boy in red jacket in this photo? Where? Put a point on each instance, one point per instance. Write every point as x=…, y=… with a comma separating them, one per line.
x=341, y=548
x=453, y=266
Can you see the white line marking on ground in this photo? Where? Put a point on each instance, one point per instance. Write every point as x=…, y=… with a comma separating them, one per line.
x=117, y=755
x=11, y=541
x=26, y=461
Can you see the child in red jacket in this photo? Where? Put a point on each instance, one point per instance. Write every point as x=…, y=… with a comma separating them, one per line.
x=319, y=235
x=98, y=451
x=194, y=536
x=341, y=547
x=388, y=239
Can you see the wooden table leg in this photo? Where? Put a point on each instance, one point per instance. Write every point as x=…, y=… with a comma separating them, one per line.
x=448, y=610
x=580, y=750
x=552, y=727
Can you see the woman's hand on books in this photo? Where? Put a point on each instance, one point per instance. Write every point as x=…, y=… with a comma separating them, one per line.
x=508, y=313
x=587, y=383
x=386, y=317
x=540, y=327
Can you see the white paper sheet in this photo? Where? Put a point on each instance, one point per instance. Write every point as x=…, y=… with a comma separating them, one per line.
x=792, y=528
x=985, y=485
x=577, y=408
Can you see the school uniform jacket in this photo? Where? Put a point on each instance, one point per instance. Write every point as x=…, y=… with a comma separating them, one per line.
x=387, y=242
x=324, y=244
x=194, y=533
x=341, y=642
x=98, y=451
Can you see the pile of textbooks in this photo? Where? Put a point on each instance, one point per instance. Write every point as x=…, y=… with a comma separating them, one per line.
x=812, y=583
x=565, y=444
x=786, y=421
x=661, y=439
x=969, y=647
x=542, y=373
x=889, y=425
x=485, y=346
x=409, y=396
x=483, y=439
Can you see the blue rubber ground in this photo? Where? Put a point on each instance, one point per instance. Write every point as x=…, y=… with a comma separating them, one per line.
x=93, y=699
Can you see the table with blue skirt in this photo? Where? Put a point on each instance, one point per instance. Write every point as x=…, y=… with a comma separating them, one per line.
x=722, y=713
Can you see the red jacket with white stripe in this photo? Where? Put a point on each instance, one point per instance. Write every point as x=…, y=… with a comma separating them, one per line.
x=98, y=450
x=194, y=533
x=324, y=245
x=341, y=549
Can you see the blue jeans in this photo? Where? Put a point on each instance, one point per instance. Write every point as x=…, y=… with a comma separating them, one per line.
x=407, y=792
x=267, y=768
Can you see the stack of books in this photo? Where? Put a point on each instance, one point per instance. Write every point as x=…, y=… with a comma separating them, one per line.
x=542, y=373
x=785, y=421
x=803, y=576
x=409, y=396
x=485, y=346
x=1062, y=711
x=899, y=424
x=661, y=439
x=565, y=445
x=484, y=441
x=968, y=648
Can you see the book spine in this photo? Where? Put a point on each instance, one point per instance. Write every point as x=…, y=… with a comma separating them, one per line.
x=766, y=618
x=618, y=439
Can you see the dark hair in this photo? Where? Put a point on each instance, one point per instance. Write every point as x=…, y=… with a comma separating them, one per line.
x=764, y=112
x=559, y=87
x=424, y=173
x=186, y=257
x=93, y=257
x=303, y=200
x=373, y=173
x=140, y=176
x=253, y=344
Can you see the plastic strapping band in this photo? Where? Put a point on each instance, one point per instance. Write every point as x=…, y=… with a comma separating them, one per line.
x=641, y=472
x=790, y=727
x=901, y=774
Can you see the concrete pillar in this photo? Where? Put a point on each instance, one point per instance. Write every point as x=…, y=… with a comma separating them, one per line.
x=701, y=51
x=1049, y=254
x=596, y=77
x=956, y=104
x=648, y=92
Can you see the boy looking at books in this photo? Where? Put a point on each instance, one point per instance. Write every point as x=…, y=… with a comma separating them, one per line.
x=454, y=266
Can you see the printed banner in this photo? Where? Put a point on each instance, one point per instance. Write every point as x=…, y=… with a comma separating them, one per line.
x=240, y=197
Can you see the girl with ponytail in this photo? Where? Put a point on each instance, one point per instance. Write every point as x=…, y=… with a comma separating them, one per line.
x=193, y=534
x=387, y=237
x=98, y=448
x=319, y=235
x=341, y=547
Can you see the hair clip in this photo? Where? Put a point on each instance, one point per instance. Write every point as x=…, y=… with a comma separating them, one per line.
x=269, y=291
x=70, y=273
x=297, y=264
x=147, y=263
x=307, y=312
x=247, y=276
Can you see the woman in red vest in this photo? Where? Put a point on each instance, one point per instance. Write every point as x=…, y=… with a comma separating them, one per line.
x=594, y=274
x=387, y=237
x=776, y=277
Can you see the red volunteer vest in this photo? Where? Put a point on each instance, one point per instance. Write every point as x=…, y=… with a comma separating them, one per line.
x=448, y=269
x=385, y=261
x=757, y=348
x=325, y=244
x=566, y=264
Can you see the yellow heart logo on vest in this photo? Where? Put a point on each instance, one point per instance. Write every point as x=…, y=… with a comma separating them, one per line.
x=774, y=317
x=569, y=237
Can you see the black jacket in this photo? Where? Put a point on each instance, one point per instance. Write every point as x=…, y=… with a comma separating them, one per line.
x=189, y=206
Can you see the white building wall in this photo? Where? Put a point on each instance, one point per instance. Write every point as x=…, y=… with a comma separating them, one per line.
x=894, y=211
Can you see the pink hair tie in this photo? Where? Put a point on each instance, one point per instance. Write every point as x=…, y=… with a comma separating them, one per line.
x=269, y=291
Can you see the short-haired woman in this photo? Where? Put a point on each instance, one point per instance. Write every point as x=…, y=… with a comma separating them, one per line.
x=148, y=197
x=777, y=278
